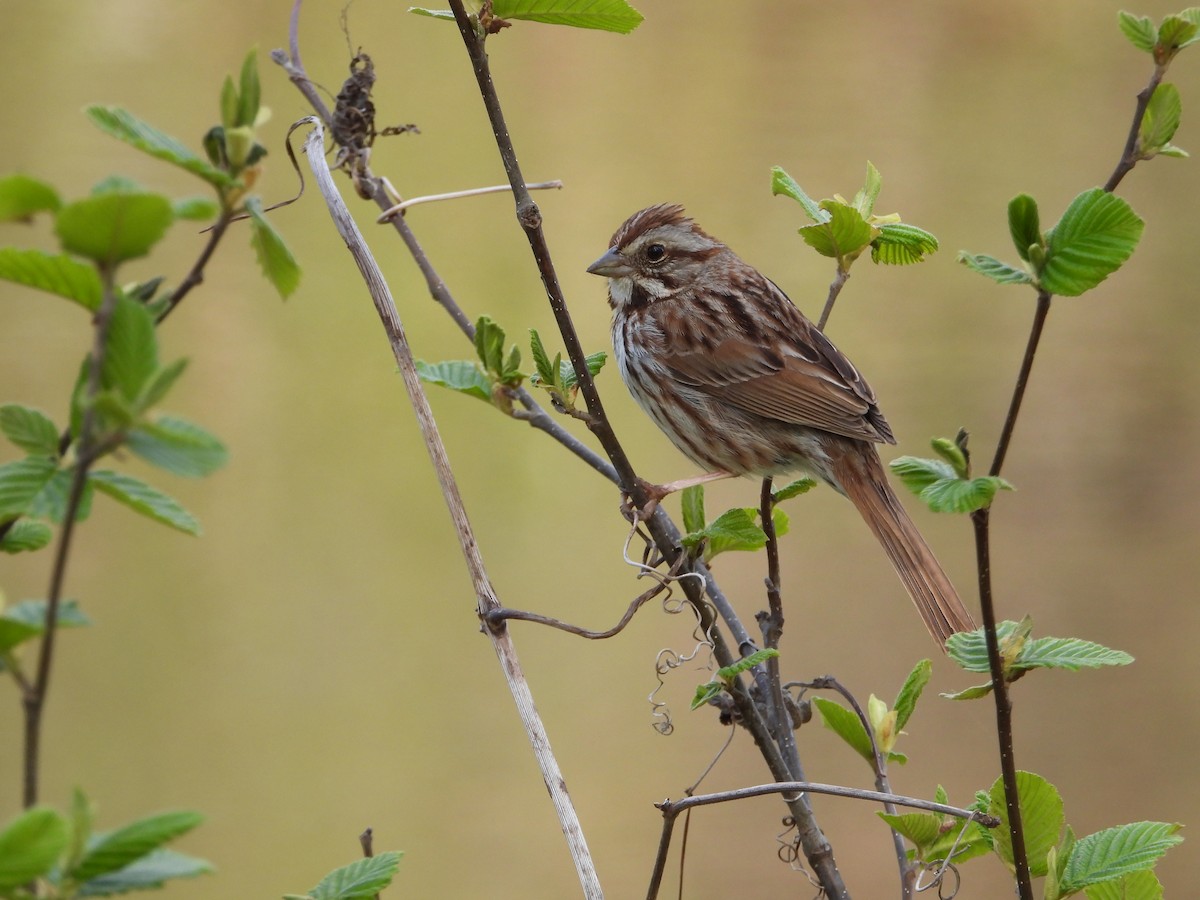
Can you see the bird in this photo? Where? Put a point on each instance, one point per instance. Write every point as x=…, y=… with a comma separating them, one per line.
x=744, y=384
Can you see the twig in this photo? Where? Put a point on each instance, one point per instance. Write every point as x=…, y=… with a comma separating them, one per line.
x=366, y=840
x=484, y=593
x=835, y=288
x=497, y=616
x=400, y=207
x=1130, y=156
x=672, y=809
x=195, y=275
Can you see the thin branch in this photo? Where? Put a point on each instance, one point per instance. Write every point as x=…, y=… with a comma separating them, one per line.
x=835, y=288
x=195, y=275
x=1014, y=407
x=400, y=207
x=672, y=809
x=484, y=593
x=497, y=616
x=1130, y=156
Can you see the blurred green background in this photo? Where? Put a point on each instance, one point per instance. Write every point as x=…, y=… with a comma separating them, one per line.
x=312, y=665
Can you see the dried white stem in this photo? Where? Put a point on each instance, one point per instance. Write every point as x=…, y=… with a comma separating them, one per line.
x=400, y=207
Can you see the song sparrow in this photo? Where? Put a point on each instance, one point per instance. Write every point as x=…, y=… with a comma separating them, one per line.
x=744, y=384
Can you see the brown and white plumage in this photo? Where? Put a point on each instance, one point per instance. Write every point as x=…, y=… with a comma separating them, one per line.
x=742, y=382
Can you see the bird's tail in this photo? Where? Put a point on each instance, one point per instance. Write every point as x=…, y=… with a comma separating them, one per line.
x=861, y=477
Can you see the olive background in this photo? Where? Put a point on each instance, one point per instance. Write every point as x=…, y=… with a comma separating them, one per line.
x=312, y=665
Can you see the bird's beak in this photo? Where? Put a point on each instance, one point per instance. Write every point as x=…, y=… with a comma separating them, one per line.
x=611, y=265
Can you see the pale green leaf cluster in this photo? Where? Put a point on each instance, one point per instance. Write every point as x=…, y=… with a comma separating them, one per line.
x=1173, y=34
x=886, y=724
x=946, y=484
x=67, y=859
x=726, y=675
x=936, y=837
x=734, y=529
x=843, y=230
x=557, y=377
x=1095, y=236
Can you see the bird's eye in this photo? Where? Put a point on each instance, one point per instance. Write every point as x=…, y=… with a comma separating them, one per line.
x=655, y=252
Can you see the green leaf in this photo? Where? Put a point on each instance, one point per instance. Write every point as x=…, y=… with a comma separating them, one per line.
x=112, y=227
x=921, y=829
x=51, y=501
x=250, y=95
x=1068, y=653
x=1097, y=233
x=1160, y=121
x=20, y=483
x=54, y=273
x=151, y=871
x=274, y=257
x=114, y=851
x=846, y=725
x=594, y=362
x=864, y=200
x=937, y=483
x=458, y=375
x=27, y=619
x=734, y=529
x=969, y=648
x=971, y=693
x=432, y=13
x=30, y=429
x=360, y=880
x=1140, y=885
x=843, y=235
x=990, y=267
x=1041, y=815
x=952, y=453
x=706, y=692
x=160, y=383
x=898, y=244
x=128, y=128
x=22, y=196
x=82, y=816
x=540, y=360
x=783, y=183
x=30, y=846
x=142, y=498
x=795, y=489
x=1175, y=33
x=24, y=535
x=178, y=446
x=1116, y=852
x=606, y=15
x=1024, y=224
x=910, y=692
x=745, y=664
x=692, y=503
x=131, y=354
x=199, y=209
x=1139, y=29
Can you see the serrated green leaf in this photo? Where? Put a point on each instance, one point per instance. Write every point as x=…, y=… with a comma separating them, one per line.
x=692, y=503
x=783, y=183
x=971, y=693
x=22, y=196
x=921, y=829
x=198, y=209
x=51, y=501
x=969, y=648
x=1069, y=653
x=1097, y=233
x=27, y=619
x=910, y=692
x=30, y=846
x=180, y=447
x=126, y=127
x=1024, y=224
x=26, y=535
x=898, y=244
x=745, y=664
x=1140, y=885
x=1116, y=852
x=489, y=344
x=1172, y=151
x=432, y=13
x=846, y=725
x=250, y=93
x=360, y=880
x=142, y=498
x=706, y=692
x=20, y=483
x=1161, y=119
x=1139, y=29
x=110, y=228
x=159, y=384
x=951, y=453
x=1175, y=33
x=1041, y=815
x=794, y=489
x=153, y=870
x=605, y=15
x=540, y=360
x=918, y=473
x=864, y=200
x=844, y=235
x=734, y=529
x=594, y=362
x=30, y=429
x=54, y=273
x=459, y=375
x=990, y=267
x=131, y=352
x=957, y=495
x=274, y=257
x=115, y=850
